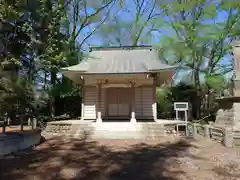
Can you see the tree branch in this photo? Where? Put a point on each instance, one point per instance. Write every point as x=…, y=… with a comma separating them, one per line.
x=144, y=25
x=86, y=23
x=221, y=39
x=90, y=34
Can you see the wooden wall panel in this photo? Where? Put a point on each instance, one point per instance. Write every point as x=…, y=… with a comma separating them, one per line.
x=90, y=102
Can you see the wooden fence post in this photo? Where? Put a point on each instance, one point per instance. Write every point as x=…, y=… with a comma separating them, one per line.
x=29, y=121
x=228, y=137
x=194, y=129
x=8, y=121
x=34, y=123
x=207, y=131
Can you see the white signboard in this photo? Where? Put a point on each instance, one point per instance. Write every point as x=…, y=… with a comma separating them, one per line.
x=181, y=106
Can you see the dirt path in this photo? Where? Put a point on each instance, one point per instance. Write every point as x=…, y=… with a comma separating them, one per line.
x=170, y=159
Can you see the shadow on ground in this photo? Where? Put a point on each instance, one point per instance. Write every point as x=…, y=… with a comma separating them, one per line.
x=73, y=159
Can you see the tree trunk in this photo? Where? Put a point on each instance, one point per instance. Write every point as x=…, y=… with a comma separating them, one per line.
x=208, y=101
x=52, y=97
x=52, y=106
x=4, y=125
x=198, y=95
x=45, y=80
x=21, y=115
x=21, y=124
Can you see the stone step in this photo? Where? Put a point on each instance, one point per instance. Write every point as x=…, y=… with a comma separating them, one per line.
x=107, y=130
x=111, y=134
x=104, y=136
x=67, y=129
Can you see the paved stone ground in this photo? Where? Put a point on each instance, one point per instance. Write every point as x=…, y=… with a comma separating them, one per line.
x=173, y=158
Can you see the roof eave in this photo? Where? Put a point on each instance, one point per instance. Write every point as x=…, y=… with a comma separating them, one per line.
x=99, y=73
x=172, y=68
x=62, y=70
x=99, y=48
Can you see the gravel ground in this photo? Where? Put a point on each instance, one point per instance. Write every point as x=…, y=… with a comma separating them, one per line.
x=173, y=158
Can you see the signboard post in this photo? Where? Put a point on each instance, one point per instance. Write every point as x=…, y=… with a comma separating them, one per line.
x=181, y=107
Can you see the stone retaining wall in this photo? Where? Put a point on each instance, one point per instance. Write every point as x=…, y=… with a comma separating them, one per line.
x=111, y=130
x=13, y=142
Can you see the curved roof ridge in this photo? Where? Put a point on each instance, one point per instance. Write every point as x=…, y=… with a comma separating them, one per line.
x=116, y=61
x=102, y=48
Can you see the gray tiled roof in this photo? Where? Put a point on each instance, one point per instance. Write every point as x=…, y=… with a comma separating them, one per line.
x=120, y=60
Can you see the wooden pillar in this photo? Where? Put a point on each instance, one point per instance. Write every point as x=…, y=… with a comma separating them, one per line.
x=99, y=114
x=82, y=104
x=83, y=98
x=133, y=118
x=154, y=103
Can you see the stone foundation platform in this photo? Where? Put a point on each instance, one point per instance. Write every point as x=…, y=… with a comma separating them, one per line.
x=111, y=130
